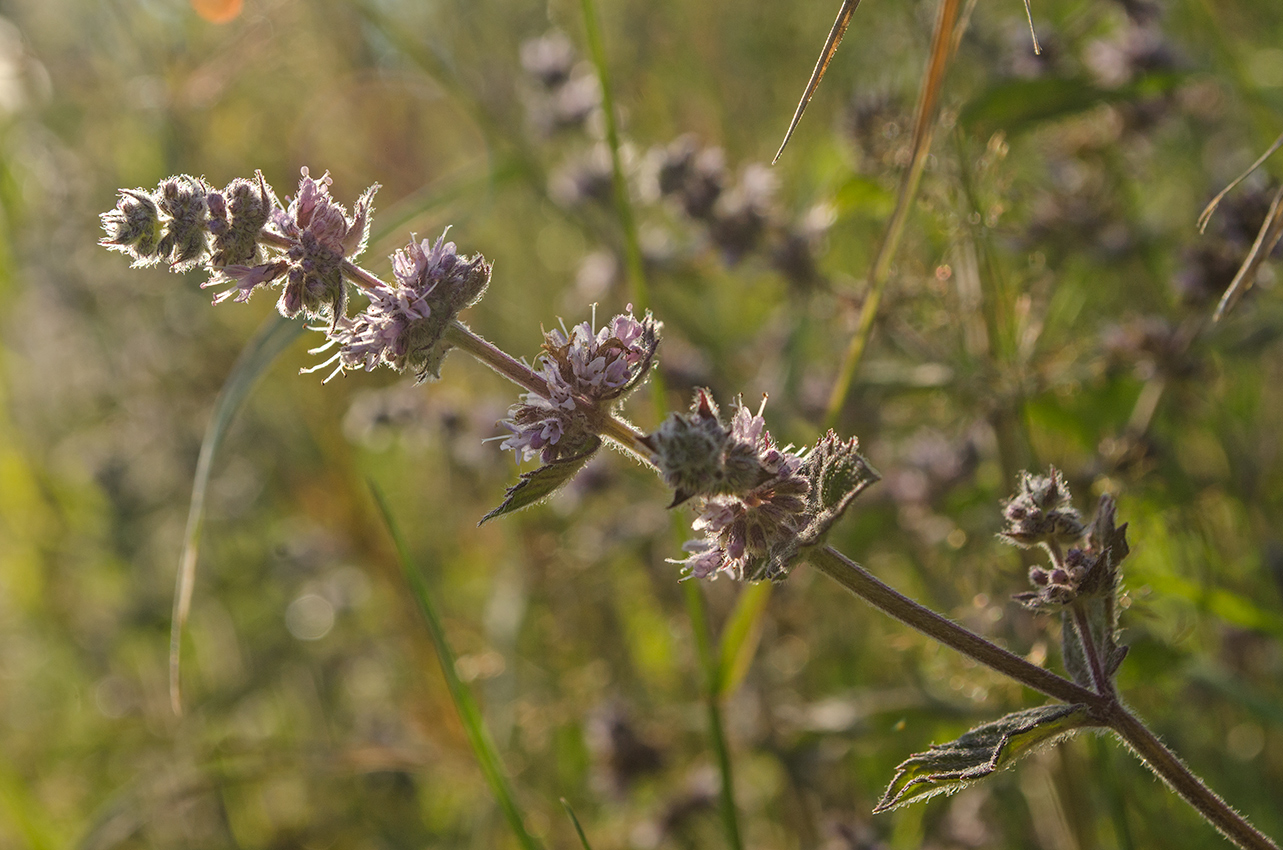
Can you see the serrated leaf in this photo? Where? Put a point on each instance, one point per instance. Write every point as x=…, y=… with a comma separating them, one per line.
x=1098, y=603
x=946, y=768
x=539, y=484
x=837, y=473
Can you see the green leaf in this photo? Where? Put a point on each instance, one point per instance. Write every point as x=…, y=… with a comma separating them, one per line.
x=740, y=637
x=838, y=473
x=946, y=768
x=474, y=726
x=539, y=484
x=273, y=337
x=1018, y=105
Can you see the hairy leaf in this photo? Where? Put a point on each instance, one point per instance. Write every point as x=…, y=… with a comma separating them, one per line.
x=539, y=484
x=946, y=768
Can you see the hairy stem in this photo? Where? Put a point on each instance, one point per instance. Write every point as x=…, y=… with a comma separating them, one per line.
x=463, y=338
x=1164, y=763
x=863, y=584
x=1099, y=678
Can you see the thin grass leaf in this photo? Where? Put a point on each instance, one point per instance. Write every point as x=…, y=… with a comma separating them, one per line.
x=1029, y=15
x=1266, y=241
x=741, y=636
x=944, y=41
x=273, y=337
x=1206, y=215
x=583, y=839
x=638, y=283
x=821, y=66
x=469, y=714
x=698, y=613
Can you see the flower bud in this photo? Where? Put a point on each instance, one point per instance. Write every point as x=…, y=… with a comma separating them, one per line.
x=185, y=242
x=134, y=227
x=1041, y=513
x=697, y=455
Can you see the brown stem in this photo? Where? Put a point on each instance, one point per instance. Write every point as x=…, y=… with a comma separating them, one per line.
x=1178, y=777
x=863, y=584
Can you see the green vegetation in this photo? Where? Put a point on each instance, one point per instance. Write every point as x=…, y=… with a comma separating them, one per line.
x=1032, y=292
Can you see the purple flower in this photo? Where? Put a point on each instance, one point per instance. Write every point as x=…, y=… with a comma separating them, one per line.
x=586, y=373
x=744, y=527
x=405, y=320
x=320, y=233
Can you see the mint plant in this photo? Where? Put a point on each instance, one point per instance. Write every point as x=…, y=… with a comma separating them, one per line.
x=762, y=508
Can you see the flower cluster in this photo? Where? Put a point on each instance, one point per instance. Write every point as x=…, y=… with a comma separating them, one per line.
x=169, y=224
x=405, y=321
x=318, y=235
x=244, y=237
x=586, y=373
x=698, y=455
x=1089, y=566
x=754, y=492
x=761, y=506
x=1041, y=513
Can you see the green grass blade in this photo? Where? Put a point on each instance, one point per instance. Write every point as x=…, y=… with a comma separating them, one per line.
x=698, y=614
x=741, y=635
x=623, y=205
x=273, y=337
x=943, y=42
x=583, y=839
x=474, y=726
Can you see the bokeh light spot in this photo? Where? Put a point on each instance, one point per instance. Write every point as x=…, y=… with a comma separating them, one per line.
x=217, y=11
x=310, y=617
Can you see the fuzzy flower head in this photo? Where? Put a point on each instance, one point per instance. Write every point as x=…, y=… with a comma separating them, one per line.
x=237, y=215
x=405, y=321
x=1085, y=571
x=1041, y=513
x=699, y=455
x=586, y=373
x=170, y=224
x=755, y=502
x=320, y=236
x=324, y=235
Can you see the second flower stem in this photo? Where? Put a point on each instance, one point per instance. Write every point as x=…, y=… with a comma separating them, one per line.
x=865, y=585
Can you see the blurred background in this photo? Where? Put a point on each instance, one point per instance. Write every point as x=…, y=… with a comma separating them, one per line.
x=1050, y=305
